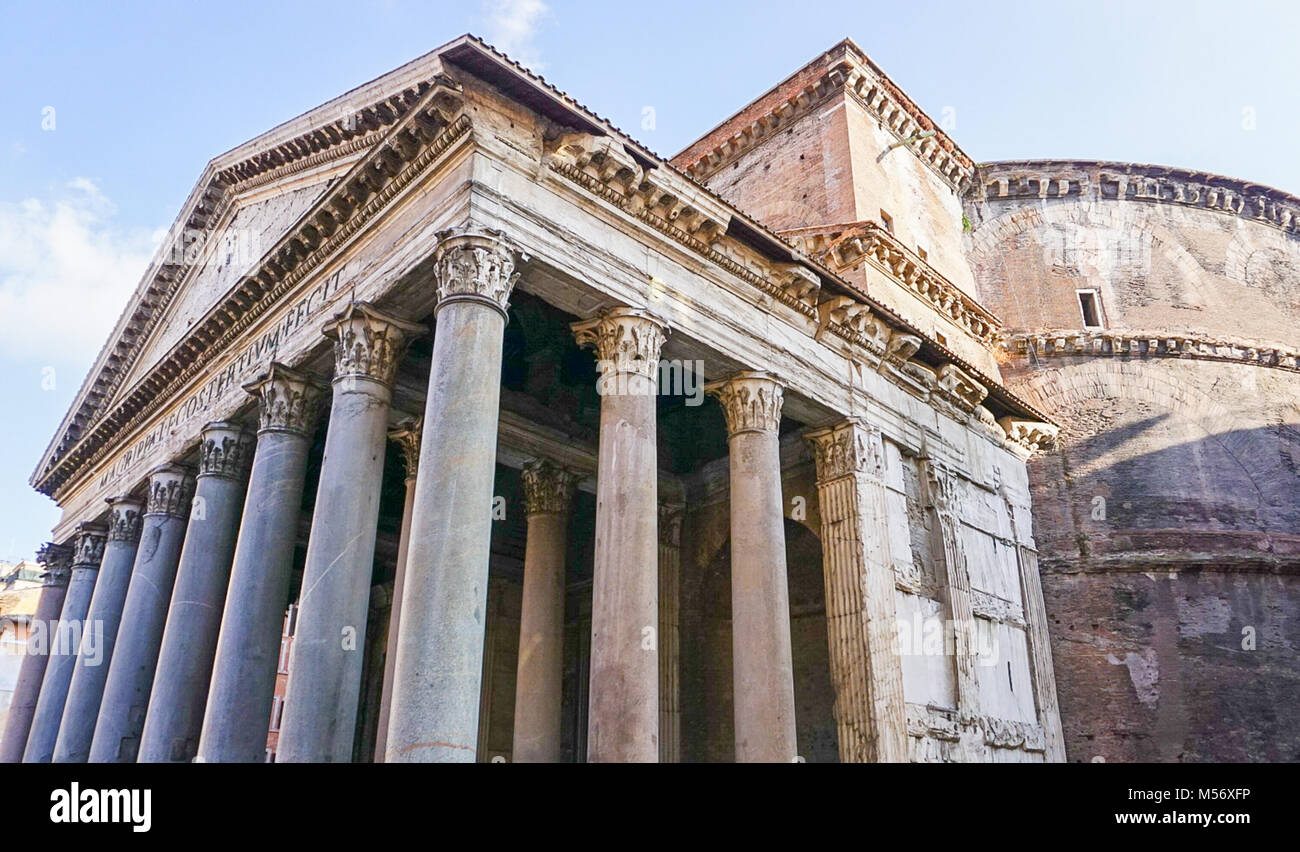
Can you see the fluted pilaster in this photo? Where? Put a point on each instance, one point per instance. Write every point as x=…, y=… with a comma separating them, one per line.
x=866, y=670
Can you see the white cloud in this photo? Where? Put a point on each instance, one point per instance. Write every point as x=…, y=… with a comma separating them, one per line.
x=511, y=26
x=66, y=272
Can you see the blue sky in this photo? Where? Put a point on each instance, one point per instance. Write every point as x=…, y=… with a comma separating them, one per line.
x=144, y=94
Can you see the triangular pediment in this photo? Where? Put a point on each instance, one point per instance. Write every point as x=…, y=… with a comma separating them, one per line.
x=267, y=184
x=218, y=258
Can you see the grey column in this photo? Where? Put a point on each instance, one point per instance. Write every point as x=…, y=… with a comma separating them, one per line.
x=548, y=496
x=238, y=709
x=144, y=615
x=88, y=551
x=57, y=559
x=180, y=684
x=95, y=653
x=762, y=667
x=407, y=436
x=623, y=719
x=439, y=669
x=326, y=660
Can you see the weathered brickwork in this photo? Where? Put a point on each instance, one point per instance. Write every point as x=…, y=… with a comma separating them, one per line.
x=1168, y=520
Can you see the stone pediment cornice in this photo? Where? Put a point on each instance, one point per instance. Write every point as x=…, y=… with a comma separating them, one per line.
x=845, y=247
x=429, y=126
x=1111, y=181
x=221, y=183
x=856, y=76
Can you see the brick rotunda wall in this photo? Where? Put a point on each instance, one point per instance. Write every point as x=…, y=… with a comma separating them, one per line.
x=1168, y=518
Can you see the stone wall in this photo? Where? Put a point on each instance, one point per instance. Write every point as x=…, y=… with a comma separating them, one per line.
x=1167, y=519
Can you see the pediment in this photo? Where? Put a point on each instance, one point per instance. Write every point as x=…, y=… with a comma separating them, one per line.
x=217, y=259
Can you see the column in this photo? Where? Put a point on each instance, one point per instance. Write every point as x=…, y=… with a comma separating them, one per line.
x=238, y=708
x=941, y=492
x=623, y=718
x=548, y=497
x=87, y=551
x=434, y=717
x=407, y=436
x=95, y=653
x=762, y=664
x=670, y=656
x=866, y=669
x=327, y=658
x=57, y=559
x=180, y=685
x=144, y=615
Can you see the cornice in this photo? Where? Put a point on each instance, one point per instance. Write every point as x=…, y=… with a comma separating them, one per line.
x=857, y=77
x=1151, y=344
x=846, y=247
x=1111, y=181
x=422, y=136
x=208, y=204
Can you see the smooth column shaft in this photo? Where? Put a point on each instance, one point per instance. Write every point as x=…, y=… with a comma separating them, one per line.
x=760, y=605
x=99, y=637
x=30, y=675
x=144, y=615
x=541, y=641
x=326, y=661
x=440, y=649
x=63, y=660
x=623, y=720
x=243, y=674
x=180, y=687
x=394, y=621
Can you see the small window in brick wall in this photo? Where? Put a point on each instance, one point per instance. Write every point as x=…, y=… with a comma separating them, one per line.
x=1090, y=307
x=887, y=221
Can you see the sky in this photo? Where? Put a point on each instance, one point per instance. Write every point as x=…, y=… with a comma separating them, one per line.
x=109, y=112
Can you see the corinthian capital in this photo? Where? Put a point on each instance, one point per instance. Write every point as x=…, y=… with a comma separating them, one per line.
x=847, y=448
x=626, y=340
x=124, y=519
x=169, y=491
x=548, y=488
x=407, y=437
x=368, y=343
x=225, y=450
x=288, y=401
x=751, y=402
x=475, y=265
x=57, y=560
x=88, y=546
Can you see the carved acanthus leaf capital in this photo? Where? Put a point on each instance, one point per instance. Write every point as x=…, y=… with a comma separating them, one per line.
x=88, y=545
x=288, y=401
x=847, y=448
x=475, y=264
x=548, y=488
x=626, y=340
x=57, y=561
x=407, y=437
x=170, y=488
x=751, y=402
x=368, y=343
x=225, y=450
x=124, y=517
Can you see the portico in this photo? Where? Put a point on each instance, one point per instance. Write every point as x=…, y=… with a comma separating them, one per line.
x=445, y=436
